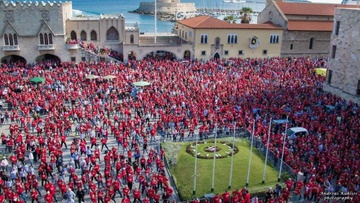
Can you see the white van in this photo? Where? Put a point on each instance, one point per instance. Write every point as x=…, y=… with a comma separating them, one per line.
x=295, y=132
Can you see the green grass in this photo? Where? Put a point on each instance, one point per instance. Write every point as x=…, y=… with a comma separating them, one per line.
x=182, y=168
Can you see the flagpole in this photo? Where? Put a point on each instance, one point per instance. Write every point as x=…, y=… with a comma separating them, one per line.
x=214, y=162
x=155, y=23
x=283, y=148
x=251, y=148
x=267, y=152
x=195, y=166
x=232, y=157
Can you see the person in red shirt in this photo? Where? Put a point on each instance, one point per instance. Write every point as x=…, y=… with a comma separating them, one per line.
x=103, y=142
x=93, y=197
x=48, y=198
x=34, y=195
x=100, y=196
x=137, y=195
x=126, y=191
x=225, y=197
x=289, y=184
x=247, y=197
x=285, y=194
x=217, y=198
x=125, y=200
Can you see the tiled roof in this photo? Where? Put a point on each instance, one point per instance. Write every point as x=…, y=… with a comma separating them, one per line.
x=290, y=8
x=306, y=25
x=208, y=22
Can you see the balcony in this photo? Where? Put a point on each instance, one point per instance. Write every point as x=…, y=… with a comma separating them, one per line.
x=46, y=47
x=11, y=48
x=72, y=46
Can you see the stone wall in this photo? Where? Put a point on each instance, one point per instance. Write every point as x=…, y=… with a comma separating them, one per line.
x=344, y=62
x=18, y=15
x=300, y=41
x=166, y=7
x=297, y=43
x=271, y=13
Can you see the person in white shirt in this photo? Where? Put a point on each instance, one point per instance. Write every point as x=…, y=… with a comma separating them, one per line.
x=4, y=164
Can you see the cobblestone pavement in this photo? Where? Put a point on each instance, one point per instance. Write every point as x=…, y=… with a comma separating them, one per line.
x=154, y=144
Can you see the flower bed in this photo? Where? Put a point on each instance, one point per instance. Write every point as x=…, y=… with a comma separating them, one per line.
x=206, y=150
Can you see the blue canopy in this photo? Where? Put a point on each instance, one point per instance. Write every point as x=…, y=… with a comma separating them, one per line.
x=280, y=121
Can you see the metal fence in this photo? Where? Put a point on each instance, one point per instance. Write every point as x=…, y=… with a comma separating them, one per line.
x=239, y=133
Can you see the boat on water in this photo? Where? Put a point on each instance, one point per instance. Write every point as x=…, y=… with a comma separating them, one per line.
x=227, y=1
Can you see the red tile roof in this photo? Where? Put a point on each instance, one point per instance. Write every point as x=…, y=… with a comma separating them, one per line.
x=291, y=8
x=208, y=22
x=304, y=25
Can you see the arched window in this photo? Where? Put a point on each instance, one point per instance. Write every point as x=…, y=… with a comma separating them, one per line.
x=83, y=35
x=11, y=40
x=15, y=40
x=131, y=39
x=41, y=38
x=217, y=42
x=311, y=43
x=46, y=39
x=93, y=35
x=112, y=34
x=6, y=39
x=73, y=35
x=50, y=38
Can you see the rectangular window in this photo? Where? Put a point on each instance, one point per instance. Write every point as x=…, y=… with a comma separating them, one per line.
x=226, y=52
x=190, y=34
x=241, y=52
x=73, y=59
x=291, y=46
x=358, y=88
x=83, y=59
x=333, y=51
x=337, y=27
x=274, y=39
x=203, y=53
x=329, y=76
x=232, y=39
x=311, y=43
x=204, y=39
x=265, y=51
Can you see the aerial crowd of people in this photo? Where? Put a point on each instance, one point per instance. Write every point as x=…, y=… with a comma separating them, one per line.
x=183, y=98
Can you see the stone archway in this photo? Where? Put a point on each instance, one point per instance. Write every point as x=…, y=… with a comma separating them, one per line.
x=216, y=56
x=13, y=59
x=161, y=55
x=48, y=58
x=131, y=55
x=187, y=54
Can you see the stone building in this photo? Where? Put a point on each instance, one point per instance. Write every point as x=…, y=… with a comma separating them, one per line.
x=343, y=74
x=213, y=38
x=166, y=6
x=34, y=31
x=52, y=33
x=307, y=26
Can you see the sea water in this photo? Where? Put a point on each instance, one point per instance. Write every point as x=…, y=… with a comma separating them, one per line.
x=146, y=22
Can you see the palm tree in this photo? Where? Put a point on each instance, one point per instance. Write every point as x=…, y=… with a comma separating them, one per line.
x=246, y=11
x=230, y=19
